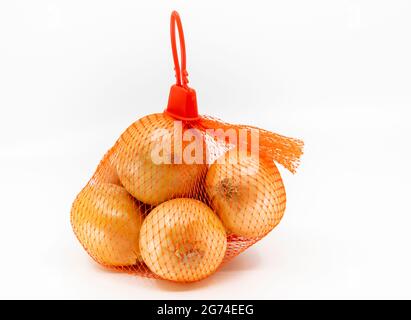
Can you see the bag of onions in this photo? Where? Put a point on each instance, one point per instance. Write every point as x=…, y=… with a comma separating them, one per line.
x=180, y=194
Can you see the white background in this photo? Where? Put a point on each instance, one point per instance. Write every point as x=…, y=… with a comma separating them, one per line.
x=75, y=74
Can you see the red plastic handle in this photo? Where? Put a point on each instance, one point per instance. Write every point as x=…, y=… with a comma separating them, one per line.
x=181, y=74
x=182, y=101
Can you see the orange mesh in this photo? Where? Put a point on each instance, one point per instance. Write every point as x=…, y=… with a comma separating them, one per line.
x=175, y=200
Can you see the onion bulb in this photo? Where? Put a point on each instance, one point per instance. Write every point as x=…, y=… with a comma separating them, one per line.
x=247, y=194
x=182, y=240
x=107, y=221
x=152, y=163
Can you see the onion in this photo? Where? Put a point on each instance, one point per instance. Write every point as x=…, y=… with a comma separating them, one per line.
x=150, y=181
x=182, y=240
x=247, y=194
x=107, y=221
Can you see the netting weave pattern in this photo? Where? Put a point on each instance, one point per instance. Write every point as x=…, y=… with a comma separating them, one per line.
x=181, y=218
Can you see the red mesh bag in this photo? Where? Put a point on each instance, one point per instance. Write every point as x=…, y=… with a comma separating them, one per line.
x=179, y=194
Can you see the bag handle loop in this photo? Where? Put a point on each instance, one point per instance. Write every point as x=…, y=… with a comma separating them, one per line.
x=181, y=73
x=182, y=101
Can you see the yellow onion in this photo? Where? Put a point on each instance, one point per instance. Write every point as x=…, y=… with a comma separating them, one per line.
x=247, y=194
x=152, y=181
x=182, y=240
x=107, y=221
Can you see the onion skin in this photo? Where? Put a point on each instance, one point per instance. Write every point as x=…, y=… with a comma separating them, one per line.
x=147, y=181
x=183, y=240
x=106, y=171
x=107, y=221
x=248, y=195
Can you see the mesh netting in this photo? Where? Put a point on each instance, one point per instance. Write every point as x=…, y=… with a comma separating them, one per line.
x=175, y=200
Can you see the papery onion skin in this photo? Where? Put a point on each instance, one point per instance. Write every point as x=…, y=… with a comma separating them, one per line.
x=107, y=221
x=183, y=240
x=148, y=181
x=248, y=195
